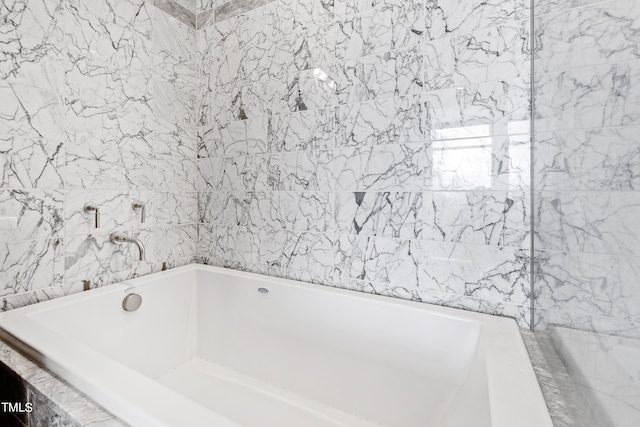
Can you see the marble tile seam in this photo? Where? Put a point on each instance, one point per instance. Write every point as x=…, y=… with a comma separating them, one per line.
x=633, y=61
x=585, y=253
x=580, y=6
x=336, y=235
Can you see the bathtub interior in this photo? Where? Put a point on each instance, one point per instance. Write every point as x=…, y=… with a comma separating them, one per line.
x=288, y=357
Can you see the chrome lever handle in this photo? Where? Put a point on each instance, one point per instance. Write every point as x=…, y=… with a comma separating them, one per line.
x=139, y=205
x=93, y=209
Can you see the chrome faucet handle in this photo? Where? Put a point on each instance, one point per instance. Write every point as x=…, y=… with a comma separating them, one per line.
x=92, y=208
x=140, y=205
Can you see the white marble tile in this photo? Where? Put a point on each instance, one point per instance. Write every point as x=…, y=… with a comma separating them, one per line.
x=391, y=74
x=309, y=257
x=248, y=28
x=270, y=243
x=606, y=95
x=300, y=211
x=378, y=259
x=209, y=174
x=349, y=7
x=236, y=247
x=450, y=17
x=296, y=52
x=108, y=107
x=237, y=138
x=299, y=171
x=389, y=27
x=206, y=243
x=494, y=108
x=28, y=112
x=27, y=265
x=27, y=214
x=246, y=209
x=584, y=286
x=606, y=32
x=385, y=121
x=496, y=218
x=485, y=163
x=586, y=322
x=101, y=33
x=497, y=53
x=104, y=169
x=31, y=163
x=489, y=273
x=389, y=214
x=31, y=60
x=170, y=137
x=543, y=7
x=171, y=208
x=174, y=104
x=239, y=173
x=306, y=90
x=207, y=141
x=253, y=101
x=304, y=130
x=296, y=15
x=114, y=206
x=173, y=173
x=400, y=167
x=36, y=18
x=597, y=159
x=594, y=221
x=253, y=63
x=173, y=242
x=228, y=69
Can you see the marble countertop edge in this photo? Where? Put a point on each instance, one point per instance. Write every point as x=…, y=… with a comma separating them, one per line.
x=75, y=407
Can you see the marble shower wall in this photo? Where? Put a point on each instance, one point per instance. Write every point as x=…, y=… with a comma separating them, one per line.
x=381, y=146
x=587, y=165
x=97, y=105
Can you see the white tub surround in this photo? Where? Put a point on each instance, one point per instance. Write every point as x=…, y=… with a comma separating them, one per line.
x=208, y=348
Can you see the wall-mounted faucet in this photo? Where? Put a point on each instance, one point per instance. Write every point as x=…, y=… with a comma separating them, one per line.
x=92, y=208
x=118, y=237
x=139, y=205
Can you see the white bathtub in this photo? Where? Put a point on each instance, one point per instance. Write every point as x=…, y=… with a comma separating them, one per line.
x=207, y=348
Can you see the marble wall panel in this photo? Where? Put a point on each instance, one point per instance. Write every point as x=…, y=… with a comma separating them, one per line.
x=585, y=164
x=98, y=105
x=390, y=124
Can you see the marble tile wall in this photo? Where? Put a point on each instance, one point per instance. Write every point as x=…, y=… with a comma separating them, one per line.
x=98, y=105
x=381, y=146
x=587, y=165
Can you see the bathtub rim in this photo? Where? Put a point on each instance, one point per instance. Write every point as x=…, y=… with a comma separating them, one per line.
x=507, y=362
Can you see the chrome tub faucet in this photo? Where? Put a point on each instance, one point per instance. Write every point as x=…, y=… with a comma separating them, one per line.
x=118, y=237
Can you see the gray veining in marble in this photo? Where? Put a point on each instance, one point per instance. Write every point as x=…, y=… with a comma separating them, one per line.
x=553, y=396
x=178, y=11
x=234, y=8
